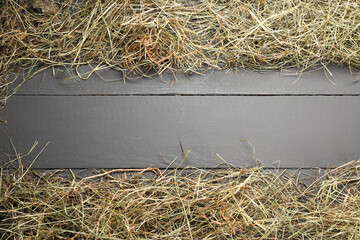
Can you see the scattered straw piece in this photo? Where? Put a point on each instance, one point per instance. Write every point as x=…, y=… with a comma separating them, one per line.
x=231, y=203
x=135, y=36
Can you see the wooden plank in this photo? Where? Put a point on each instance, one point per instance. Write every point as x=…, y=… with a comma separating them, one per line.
x=217, y=82
x=132, y=131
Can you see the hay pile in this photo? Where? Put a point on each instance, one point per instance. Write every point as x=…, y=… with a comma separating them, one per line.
x=138, y=35
x=200, y=204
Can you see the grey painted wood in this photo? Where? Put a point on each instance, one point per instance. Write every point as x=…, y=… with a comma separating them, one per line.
x=132, y=131
x=217, y=82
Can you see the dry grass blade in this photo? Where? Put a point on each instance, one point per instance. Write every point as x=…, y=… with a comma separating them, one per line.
x=135, y=36
x=231, y=203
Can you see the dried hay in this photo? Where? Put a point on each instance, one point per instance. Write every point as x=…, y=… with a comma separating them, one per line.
x=139, y=35
x=233, y=203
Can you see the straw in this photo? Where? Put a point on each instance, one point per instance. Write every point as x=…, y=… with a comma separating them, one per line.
x=191, y=36
x=234, y=203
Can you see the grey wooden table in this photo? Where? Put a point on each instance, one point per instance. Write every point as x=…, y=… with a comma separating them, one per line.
x=239, y=118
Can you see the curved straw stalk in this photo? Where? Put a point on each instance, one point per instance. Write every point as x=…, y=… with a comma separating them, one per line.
x=189, y=35
x=234, y=203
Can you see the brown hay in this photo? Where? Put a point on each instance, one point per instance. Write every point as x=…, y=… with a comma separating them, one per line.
x=200, y=204
x=138, y=35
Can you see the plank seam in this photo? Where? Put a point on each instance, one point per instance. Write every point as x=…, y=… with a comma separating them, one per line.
x=187, y=95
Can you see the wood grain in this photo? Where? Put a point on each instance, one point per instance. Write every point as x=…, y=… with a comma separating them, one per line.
x=143, y=131
x=110, y=82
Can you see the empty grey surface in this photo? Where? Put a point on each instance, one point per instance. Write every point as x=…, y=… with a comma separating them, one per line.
x=132, y=131
x=107, y=82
